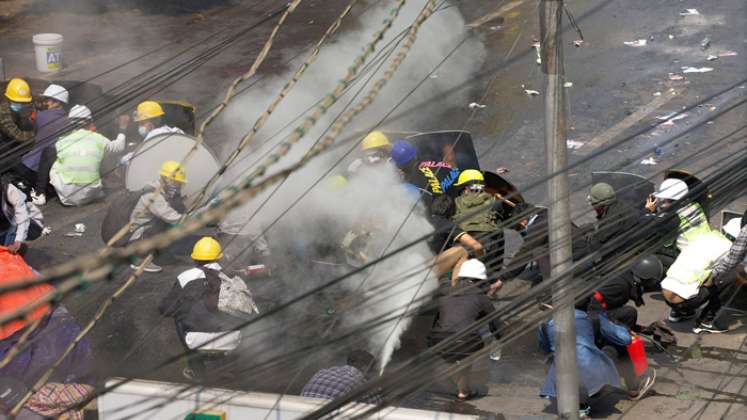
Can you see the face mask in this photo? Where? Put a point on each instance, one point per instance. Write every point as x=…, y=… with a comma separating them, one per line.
x=171, y=189
x=142, y=130
x=16, y=107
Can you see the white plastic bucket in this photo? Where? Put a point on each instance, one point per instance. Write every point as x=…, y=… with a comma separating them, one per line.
x=48, y=50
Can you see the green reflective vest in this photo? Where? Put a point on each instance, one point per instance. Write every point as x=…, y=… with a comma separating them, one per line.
x=79, y=156
x=693, y=223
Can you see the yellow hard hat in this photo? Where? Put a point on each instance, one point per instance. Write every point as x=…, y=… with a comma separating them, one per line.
x=470, y=175
x=207, y=249
x=173, y=170
x=147, y=110
x=375, y=140
x=337, y=183
x=18, y=91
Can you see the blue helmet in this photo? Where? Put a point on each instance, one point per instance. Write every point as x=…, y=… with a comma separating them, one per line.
x=403, y=152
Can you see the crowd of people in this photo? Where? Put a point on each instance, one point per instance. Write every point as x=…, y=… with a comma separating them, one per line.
x=469, y=219
x=60, y=153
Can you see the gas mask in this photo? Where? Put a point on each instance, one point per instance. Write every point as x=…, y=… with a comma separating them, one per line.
x=171, y=189
x=601, y=211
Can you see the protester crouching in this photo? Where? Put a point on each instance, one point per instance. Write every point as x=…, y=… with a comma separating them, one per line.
x=458, y=307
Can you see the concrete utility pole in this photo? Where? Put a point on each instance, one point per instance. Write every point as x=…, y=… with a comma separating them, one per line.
x=561, y=256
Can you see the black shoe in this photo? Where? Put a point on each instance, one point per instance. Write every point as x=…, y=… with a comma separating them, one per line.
x=712, y=327
x=677, y=316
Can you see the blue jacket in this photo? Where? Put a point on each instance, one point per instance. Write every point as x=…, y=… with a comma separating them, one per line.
x=595, y=368
x=50, y=123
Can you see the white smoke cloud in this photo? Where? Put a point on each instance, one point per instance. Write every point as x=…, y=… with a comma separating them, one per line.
x=373, y=196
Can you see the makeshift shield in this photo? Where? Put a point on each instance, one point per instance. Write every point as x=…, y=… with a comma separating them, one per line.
x=145, y=166
x=496, y=184
x=631, y=190
x=454, y=147
x=179, y=114
x=698, y=189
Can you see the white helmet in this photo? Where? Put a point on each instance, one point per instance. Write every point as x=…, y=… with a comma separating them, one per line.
x=473, y=269
x=56, y=92
x=672, y=189
x=732, y=228
x=80, y=112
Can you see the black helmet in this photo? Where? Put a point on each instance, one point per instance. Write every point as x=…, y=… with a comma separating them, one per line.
x=649, y=270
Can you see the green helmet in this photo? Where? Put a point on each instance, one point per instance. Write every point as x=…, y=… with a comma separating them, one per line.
x=601, y=194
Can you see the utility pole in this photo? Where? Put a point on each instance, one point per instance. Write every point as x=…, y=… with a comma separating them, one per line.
x=561, y=256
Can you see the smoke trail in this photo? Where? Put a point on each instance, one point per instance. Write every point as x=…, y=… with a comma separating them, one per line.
x=373, y=201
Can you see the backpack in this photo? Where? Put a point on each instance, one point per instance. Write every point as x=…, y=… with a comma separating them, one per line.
x=118, y=216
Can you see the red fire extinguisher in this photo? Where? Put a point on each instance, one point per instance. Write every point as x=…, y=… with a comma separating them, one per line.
x=637, y=354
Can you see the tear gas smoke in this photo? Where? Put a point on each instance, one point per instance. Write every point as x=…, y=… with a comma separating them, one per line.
x=373, y=200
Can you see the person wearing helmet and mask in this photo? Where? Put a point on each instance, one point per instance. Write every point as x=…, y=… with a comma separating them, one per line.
x=434, y=178
x=462, y=303
x=693, y=224
x=478, y=214
x=613, y=218
x=76, y=172
x=16, y=109
x=693, y=221
x=194, y=302
x=149, y=118
x=51, y=123
x=159, y=207
x=613, y=296
x=376, y=149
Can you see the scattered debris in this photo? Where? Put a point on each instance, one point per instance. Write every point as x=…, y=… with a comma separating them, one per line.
x=712, y=57
x=530, y=92
x=666, y=117
x=636, y=43
x=727, y=53
x=46, y=231
x=671, y=36
x=705, y=43
x=574, y=144
x=696, y=69
x=649, y=161
x=568, y=84
x=578, y=42
x=657, y=93
x=537, y=48
x=712, y=108
x=690, y=12
x=80, y=229
x=434, y=76
x=658, y=151
x=495, y=28
x=474, y=105
x=670, y=121
x=676, y=77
